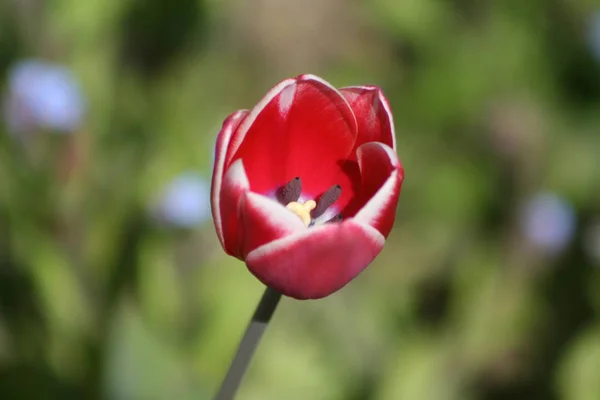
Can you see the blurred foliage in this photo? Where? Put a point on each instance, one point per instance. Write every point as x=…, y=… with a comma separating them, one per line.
x=494, y=101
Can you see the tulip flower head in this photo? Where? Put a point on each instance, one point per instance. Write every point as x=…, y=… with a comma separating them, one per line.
x=305, y=185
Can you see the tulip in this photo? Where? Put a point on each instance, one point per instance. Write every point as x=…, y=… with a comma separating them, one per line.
x=305, y=185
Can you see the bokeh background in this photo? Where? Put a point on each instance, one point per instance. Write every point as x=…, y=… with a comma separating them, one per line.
x=113, y=284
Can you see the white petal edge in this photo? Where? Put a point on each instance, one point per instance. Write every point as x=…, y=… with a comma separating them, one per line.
x=371, y=211
x=287, y=98
x=271, y=94
x=289, y=241
x=386, y=106
x=235, y=178
x=388, y=111
x=275, y=214
x=218, y=170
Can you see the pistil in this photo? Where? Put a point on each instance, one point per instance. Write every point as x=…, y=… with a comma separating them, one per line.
x=303, y=210
x=309, y=211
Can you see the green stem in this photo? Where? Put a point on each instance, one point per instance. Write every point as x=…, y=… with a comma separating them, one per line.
x=254, y=332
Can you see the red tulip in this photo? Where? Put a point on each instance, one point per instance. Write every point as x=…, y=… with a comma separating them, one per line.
x=305, y=186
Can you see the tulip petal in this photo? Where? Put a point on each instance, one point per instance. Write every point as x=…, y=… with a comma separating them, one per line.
x=265, y=220
x=235, y=185
x=303, y=127
x=318, y=261
x=373, y=114
x=382, y=176
x=350, y=181
x=240, y=134
x=230, y=124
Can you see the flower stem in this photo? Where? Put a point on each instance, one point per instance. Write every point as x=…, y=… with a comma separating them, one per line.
x=257, y=326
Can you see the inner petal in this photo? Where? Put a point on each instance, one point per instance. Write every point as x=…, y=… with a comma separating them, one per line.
x=306, y=130
x=349, y=201
x=373, y=115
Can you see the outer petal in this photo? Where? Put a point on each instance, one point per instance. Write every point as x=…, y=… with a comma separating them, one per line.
x=318, y=261
x=224, y=137
x=382, y=176
x=265, y=220
x=235, y=185
x=373, y=114
x=303, y=127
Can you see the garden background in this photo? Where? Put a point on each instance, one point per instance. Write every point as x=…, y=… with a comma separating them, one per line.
x=113, y=284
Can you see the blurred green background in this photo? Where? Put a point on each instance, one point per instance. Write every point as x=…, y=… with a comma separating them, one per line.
x=488, y=287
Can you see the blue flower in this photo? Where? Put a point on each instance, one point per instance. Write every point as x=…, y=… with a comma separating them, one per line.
x=593, y=35
x=548, y=222
x=43, y=95
x=185, y=202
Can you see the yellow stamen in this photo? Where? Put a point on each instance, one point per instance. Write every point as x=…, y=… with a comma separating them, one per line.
x=302, y=210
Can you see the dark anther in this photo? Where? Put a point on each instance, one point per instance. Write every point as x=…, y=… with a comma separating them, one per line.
x=326, y=200
x=289, y=192
x=337, y=218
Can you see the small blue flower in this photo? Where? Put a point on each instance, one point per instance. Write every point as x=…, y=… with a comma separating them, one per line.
x=548, y=222
x=185, y=202
x=593, y=35
x=43, y=95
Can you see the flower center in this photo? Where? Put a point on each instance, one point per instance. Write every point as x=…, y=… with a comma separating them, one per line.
x=311, y=211
x=302, y=210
